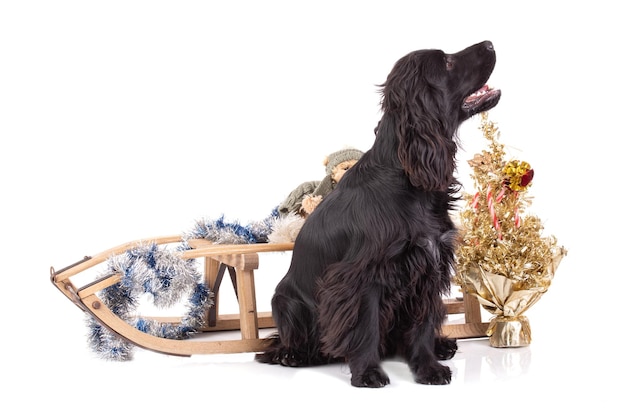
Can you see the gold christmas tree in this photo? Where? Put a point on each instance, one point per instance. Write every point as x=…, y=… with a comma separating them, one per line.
x=504, y=260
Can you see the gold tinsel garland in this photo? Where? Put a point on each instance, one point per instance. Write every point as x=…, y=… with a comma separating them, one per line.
x=503, y=260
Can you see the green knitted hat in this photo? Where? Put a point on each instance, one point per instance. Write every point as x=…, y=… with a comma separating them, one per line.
x=338, y=157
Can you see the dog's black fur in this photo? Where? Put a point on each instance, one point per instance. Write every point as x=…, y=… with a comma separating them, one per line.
x=373, y=260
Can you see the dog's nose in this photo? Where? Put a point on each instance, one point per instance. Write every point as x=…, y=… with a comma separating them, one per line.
x=488, y=45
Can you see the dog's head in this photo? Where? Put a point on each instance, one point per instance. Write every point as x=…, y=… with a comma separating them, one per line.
x=431, y=93
x=449, y=86
x=470, y=69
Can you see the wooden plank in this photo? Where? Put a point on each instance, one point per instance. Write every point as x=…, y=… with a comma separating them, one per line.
x=213, y=249
x=211, y=270
x=454, y=306
x=472, y=308
x=162, y=345
x=231, y=322
x=225, y=322
x=247, y=304
x=104, y=255
x=99, y=285
x=465, y=330
x=203, y=248
x=246, y=261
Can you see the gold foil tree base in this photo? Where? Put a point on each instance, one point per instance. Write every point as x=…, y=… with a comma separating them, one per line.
x=508, y=302
x=509, y=332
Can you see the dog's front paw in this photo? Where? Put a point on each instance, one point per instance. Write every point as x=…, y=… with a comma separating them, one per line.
x=433, y=374
x=445, y=348
x=371, y=378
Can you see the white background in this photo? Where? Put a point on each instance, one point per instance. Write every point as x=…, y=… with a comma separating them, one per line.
x=123, y=120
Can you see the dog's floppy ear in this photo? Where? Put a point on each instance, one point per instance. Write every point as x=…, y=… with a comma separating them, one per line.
x=426, y=156
x=418, y=110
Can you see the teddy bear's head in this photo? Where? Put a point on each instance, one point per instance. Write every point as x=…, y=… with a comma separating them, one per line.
x=339, y=162
x=305, y=198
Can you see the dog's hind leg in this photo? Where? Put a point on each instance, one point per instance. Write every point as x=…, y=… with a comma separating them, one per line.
x=295, y=343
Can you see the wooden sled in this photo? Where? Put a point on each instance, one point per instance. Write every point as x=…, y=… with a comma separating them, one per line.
x=240, y=261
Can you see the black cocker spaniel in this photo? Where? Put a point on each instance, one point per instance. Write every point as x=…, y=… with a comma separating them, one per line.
x=372, y=262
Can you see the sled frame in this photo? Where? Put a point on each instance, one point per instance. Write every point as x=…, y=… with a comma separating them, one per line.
x=240, y=260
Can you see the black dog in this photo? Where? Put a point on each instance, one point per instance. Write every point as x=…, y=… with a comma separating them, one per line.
x=372, y=261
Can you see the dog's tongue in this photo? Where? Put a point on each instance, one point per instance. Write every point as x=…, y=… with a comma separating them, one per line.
x=477, y=94
x=476, y=99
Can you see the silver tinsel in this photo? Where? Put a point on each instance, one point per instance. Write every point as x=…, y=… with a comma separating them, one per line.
x=168, y=279
x=222, y=231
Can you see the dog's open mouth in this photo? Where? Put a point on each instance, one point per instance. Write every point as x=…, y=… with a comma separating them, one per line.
x=482, y=100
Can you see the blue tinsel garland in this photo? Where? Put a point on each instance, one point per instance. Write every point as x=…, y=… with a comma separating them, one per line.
x=149, y=269
x=220, y=231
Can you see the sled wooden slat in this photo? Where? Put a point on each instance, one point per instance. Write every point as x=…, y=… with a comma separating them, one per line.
x=465, y=330
x=226, y=322
x=99, y=286
x=162, y=345
x=244, y=260
x=203, y=247
x=91, y=261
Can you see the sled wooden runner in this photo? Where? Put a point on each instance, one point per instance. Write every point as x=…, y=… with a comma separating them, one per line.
x=240, y=261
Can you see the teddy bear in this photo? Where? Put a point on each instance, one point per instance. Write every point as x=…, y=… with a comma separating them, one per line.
x=308, y=195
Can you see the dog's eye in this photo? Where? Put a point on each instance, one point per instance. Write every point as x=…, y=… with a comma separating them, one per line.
x=449, y=63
